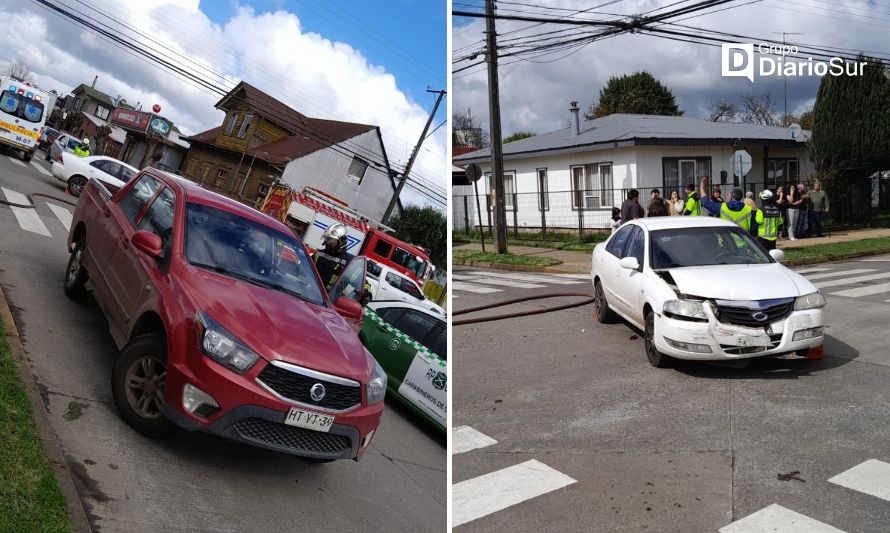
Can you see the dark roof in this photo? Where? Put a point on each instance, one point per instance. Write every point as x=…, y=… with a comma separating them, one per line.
x=620, y=130
x=307, y=135
x=93, y=93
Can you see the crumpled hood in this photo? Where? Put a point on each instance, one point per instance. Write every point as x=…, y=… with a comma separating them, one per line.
x=279, y=326
x=741, y=282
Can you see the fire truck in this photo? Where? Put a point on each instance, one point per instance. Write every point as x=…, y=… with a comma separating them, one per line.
x=310, y=211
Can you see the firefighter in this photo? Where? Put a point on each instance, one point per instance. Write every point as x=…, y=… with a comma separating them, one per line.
x=769, y=218
x=332, y=258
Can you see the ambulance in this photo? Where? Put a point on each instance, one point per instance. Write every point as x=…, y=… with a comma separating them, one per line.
x=23, y=113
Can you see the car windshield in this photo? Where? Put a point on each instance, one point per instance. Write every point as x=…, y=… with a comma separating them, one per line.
x=232, y=245
x=715, y=245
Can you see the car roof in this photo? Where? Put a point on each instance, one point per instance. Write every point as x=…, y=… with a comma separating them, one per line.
x=108, y=158
x=387, y=304
x=197, y=194
x=657, y=223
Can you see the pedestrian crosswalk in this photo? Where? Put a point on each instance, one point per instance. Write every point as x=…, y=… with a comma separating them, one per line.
x=834, y=280
x=486, y=282
x=481, y=496
x=34, y=220
x=871, y=477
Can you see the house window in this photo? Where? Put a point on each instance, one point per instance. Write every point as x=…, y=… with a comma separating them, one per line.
x=242, y=131
x=102, y=112
x=592, y=186
x=357, y=169
x=221, y=176
x=509, y=189
x=231, y=125
x=543, y=191
x=681, y=171
x=782, y=171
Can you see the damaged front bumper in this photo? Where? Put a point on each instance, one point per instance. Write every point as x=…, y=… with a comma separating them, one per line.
x=713, y=340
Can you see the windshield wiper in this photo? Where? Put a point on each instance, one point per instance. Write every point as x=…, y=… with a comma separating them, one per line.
x=256, y=281
x=224, y=270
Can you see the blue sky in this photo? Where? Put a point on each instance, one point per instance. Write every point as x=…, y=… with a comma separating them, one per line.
x=406, y=37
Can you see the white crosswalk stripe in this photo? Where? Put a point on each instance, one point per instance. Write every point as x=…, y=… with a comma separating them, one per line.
x=27, y=218
x=574, y=276
x=811, y=270
x=15, y=160
x=529, y=277
x=40, y=168
x=840, y=273
x=863, y=291
x=481, y=496
x=871, y=477
x=778, y=519
x=468, y=287
x=850, y=281
x=465, y=439
x=62, y=214
x=501, y=282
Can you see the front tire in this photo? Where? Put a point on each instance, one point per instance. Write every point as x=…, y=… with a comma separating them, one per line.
x=26, y=156
x=601, y=310
x=656, y=358
x=138, y=382
x=76, y=275
x=76, y=185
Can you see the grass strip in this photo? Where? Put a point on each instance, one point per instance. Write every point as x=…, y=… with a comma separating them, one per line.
x=837, y=250
x=30, y=499
x=503, y=259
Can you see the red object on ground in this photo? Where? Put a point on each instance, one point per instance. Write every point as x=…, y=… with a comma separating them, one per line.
x=816, y=353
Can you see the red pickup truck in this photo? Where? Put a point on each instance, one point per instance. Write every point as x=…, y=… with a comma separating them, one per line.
x=222, y=322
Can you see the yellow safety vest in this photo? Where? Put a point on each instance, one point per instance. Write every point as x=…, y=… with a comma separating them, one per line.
x=741, y=217
x=693, y=206
x=81, y=152
x=768, y=226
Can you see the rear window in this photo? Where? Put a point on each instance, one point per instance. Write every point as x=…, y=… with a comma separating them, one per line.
x=72, y=143
x=21, y=106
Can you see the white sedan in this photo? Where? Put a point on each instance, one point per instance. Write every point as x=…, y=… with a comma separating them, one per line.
x=389, y=285
x=76, y=171
x=703, y=289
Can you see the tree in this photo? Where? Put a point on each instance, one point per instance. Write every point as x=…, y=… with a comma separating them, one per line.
x=638, y=93
x=425, y=227
x=518, y=136
x=759, y=109
x=806, y=120
x=851, y=123
x=466, y=133
x=724, y=111
x=19, y=70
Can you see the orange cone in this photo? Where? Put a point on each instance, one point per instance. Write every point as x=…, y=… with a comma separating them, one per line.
x=816, y=353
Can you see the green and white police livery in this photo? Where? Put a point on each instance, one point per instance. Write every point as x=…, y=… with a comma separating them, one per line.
x=410, y=343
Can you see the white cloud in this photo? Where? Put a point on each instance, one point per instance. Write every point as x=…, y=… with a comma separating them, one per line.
x=536, y=96
x=272, y=51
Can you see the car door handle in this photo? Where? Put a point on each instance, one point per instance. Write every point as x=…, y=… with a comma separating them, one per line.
x=106, y=211
x=125, y=242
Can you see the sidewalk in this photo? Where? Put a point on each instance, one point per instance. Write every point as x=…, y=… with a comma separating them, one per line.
x=579, y=262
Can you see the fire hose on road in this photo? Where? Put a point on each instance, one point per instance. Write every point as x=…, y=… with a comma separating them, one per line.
x=31, y=198
x=588, y=299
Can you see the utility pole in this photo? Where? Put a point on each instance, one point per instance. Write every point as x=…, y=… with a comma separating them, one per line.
x=784, y=77
x=395, y=196
x=494, y=112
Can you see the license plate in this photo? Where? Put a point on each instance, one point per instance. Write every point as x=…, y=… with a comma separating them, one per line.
x=309, y=420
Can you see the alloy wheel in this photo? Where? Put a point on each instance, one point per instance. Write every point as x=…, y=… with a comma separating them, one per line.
x=145, y=382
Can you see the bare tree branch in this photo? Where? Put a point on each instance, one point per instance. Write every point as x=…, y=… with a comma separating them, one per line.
x=17, y=69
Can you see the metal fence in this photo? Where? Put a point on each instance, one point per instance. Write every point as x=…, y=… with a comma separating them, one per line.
x=852, y=203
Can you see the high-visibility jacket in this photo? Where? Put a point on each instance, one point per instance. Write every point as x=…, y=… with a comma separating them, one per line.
x=768, y=219
x=693, y=206
x=81, y=151
x=742, y=217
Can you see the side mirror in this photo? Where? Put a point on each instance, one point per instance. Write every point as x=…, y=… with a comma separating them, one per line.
x=348, y=308
x=629, y=263
x=777, y=254
x=148, y=243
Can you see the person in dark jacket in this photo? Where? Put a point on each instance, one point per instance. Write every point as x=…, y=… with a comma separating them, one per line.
x=631, y=207
x=657, y=206
x=332, y=258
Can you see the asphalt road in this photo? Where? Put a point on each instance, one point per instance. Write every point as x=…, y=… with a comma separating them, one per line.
x=190, y=481
x=590, y=437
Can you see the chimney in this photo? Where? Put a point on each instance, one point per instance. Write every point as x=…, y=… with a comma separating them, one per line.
x=95, y=78
x=576, y=126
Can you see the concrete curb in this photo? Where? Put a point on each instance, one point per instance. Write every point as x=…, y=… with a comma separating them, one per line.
x=518, y=268
x=50, y=444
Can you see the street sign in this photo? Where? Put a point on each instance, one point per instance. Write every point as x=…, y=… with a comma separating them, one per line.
x=473, y=172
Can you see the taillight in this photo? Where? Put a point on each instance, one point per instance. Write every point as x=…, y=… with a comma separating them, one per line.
x=59, y=158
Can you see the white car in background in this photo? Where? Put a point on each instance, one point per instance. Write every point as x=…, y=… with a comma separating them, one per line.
x=388, y=284
x=703, y=289
x=76, y=171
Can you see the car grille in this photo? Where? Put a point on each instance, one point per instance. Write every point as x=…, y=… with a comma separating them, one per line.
x=294, y=386
x=291, y=437
x=741, y=315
